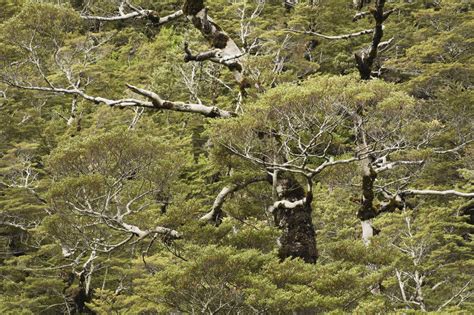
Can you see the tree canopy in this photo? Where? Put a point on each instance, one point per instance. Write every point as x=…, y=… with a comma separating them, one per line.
x=236, y=156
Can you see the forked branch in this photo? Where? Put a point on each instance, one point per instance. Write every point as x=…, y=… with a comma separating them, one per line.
x=154, y=100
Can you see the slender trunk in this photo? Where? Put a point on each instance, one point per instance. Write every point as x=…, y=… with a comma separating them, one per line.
x=419, y=291
x=367, y=210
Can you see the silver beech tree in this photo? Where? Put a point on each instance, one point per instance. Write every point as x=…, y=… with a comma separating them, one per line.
x=216, y=113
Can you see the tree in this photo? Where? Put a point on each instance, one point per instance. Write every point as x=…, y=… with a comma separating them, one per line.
x=270, y=120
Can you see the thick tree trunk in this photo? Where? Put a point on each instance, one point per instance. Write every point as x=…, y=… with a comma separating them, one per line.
x=77, y=294
x=367, y=211
x=292, y=214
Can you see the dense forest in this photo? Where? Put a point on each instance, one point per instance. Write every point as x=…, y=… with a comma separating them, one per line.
x=236, y=156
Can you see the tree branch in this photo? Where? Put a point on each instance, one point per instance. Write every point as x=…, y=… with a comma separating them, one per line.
x=156, y=102
x=455, y=149
x=216, y=210
x=455, y=295
x=334, y=37
x=431, y=192
x=228, y=51
x=365, y=59
x=144, y=233
x=159, y=103
x=151, y=15
x=390, y=165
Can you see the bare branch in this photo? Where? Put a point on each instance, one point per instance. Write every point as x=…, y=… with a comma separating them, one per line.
x=437, y=193
x=390, y=165
x=151, y=15
x=156, y=103
x=332, y=162
x=216, y=209
x=360, y=15
x=159, y=103
x=334, y=37
x=455, y=295
x=455, y=149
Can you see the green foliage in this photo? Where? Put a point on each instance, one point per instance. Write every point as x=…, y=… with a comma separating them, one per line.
x=70, y=167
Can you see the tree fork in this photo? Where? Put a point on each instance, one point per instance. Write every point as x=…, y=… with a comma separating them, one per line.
x=227, y=52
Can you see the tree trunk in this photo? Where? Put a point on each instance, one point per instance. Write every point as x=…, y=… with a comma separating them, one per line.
x=225, y=50
x=292, y=215
x=367, y=211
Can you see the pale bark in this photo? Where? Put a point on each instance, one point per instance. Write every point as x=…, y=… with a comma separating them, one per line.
x=144, y=233
x=335, y=37
x=159, y=103
x=155, y=101
x=367, y=231
x=225, y=50
x=454, y=150
x=431, y=192
x=216, y=211
x=151, y=15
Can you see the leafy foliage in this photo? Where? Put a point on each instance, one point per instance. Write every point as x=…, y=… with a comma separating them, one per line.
x=102, y=207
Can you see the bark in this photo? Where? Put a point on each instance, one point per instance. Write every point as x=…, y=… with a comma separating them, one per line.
x=151, y=15
x=81, y=293
x=155, y=101
x=292, y=215
x=367, y=211
x=159, y=103
x=365, y=59
x=215, y=215
x=437, y=193
x=225, y=50
x=335, y=37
